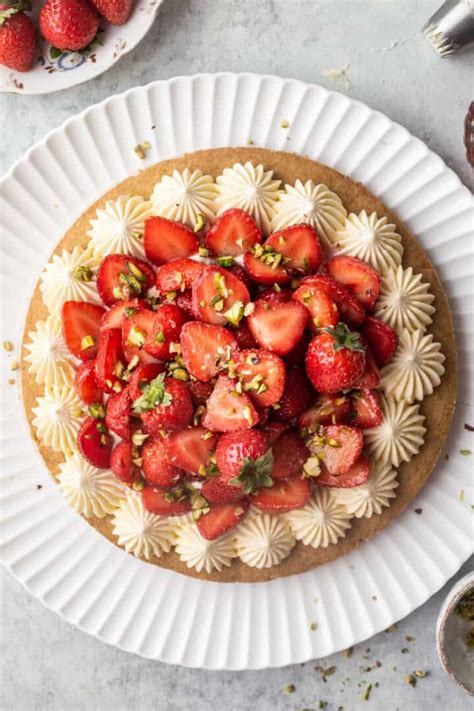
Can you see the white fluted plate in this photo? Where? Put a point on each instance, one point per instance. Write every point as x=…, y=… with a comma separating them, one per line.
x=155, y=612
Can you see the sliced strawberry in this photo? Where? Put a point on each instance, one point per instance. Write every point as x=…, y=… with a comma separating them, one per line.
x=123, y=277
x=157, y=466
x=285, y=495
x=110, y=361
x=265, y=273
x=189, y=449
x=243, y=336
x=81, y=328
x=173, y=409
x=200, y=391
x=233, y=234
x=274, y=430
x=357, y=475
x=185, y=301
x=242, y=461
x=113, y=318
x=206, y=349
x=262, y=375
x=118, y=412
x=366, y=408
x=362, y=279
x=278, y=327
x=219, y=297
x=218, y=491
x=163, y=502
x=370, y=378
x=165, y=331
x=135, y=332
x=332, y=409
x=178, y=275
x=322, y=309
x=122, y=464
x=300, y=247
x=275, y=296
x=335, y=359
x=382, y=339
x=289, y=455
x=297, y=395
x=244, y=277
x=165, y=240
x=338, y=446
x=85, y=384
x=350, y=309
x=221, y=518
x=141, y=376
x=228, y=410
x=95, y=443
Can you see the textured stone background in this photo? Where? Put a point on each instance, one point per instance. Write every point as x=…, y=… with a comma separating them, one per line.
x=46, y=665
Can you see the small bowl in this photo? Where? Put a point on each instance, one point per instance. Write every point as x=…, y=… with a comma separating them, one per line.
x=453, y=655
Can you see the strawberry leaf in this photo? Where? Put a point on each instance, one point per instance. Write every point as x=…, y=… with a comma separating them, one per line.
x=154, y=394
x=345, y=338
x=254, y=474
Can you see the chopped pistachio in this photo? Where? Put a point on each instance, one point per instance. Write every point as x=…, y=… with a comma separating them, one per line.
x=200, y=222
x=220, y=285
x=181, y=374
x=104, y=439
x=138, y=485
x=136, y=337
x=225, y=261
x=410, y=679
x=312, y=467
x=133, y=363
x=171, y=295
x=421, y=674
x=160, y=337
x=313, y=626
x=83, y=273
x=175, y=347
x=77, y=412
x=87, y=342
x=284, y=123
x=203, y=252
x=249, y=142
x=117, y=387
x=249, y=308
x=136, y=271
x=347, y=652
x=8, y=346
x=235, y=314
x=465, y=452
x=119, y=368
x=207, y=435
x=365, y=696
x=14, y=365
x=97, y=410
x=333, y=442
x=138, y=438
x=11, y=381
x=289, y=689
x=247, y=414
x=141, y=149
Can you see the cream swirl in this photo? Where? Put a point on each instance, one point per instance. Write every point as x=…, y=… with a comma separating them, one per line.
x=372, y=239
x=405, y=302
x=118, y=226
x=263, y=540
x=70, y=276
x=201, y=554
x=90, y=491
x=49, y=357
x=250, y=188
x=370, y=498
x=57, y=417
x=400, y=434
x=315, y=205
x=415, y=369
x=321, y=522
x=140, y=532
x=184, y=196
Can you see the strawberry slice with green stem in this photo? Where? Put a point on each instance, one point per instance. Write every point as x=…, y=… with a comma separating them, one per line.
x=335, y=359
x=165, y=404
x=165, y=240
x=219, y=297
x=141, y=376
x=233, y=234
x=245, y=460
x=217, y=491
x=122, y=277
x=81, y=328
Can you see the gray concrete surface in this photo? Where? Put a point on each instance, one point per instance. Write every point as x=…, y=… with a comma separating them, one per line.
x=46, y=665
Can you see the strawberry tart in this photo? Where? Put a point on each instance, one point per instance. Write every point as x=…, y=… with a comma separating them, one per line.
x=239, y=365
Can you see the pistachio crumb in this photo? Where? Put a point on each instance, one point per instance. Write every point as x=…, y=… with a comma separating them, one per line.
x=14, y=365
x=421, y=674
x=284, y=123
x=11, y=381
x=410, y=679
x=365, y=696
x=289, y=689
x=8, y=346
x=347, y=652
x=141, y=149
x=314, y=626
x=249, y=142
x=465, y=452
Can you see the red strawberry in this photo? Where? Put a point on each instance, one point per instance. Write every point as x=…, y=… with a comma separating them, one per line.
x=141, y=376
x=366, y=407
x=382, y=339
x=94, y=442
x=165, y=404
x=165, y=240
x=362, y=279
x=135, y=331
x=297, y=395
x=241, y=274
x=157, y=466
x=221, y=518
x=338, y=446
x=350, y=309
x=228, y=410
x=370, y=378
x=217, y=491
x=165, y=330
x=233, y=234
x=17, y=38
x=118, y=413
x=185, y=301
x=244, y=460
x=109, y=364
x=219, y=297
x=296, y=357
x=200, y=391
x=285, y=495
x=289, y=455
x=274, y=430
x=299, y=246
x=335, y=359
x=68, y=24
x=113, y=318
x=328, y=410
x=189, y=449
x=178, y=275
x=116, y=12
x=164, y=502
x=81, y=327
x=357, y=475
x=262, y=375
x=275, y=296
x=122, y=277
x=322, y=309
x=278, y=327
x=243, y=336
x=265, y=266
x=206, y=349
x=85, y=384
x=122, y=464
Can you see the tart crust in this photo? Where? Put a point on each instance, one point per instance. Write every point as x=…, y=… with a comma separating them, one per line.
x=438, y=408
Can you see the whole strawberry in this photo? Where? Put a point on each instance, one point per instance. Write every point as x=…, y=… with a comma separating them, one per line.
x=68, y=24
x=245, y=460
x=17, y=37
x=335, y=359
x=116, y=12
